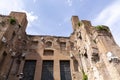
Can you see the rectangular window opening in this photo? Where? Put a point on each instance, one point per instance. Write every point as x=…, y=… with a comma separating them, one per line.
x=47, y=70
x=29, y=70
x=65, y=72
x=48, y=52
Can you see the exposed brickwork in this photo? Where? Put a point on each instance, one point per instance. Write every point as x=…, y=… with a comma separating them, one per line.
x=91, y=51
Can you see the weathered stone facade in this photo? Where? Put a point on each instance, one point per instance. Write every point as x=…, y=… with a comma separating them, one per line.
x=89, y=53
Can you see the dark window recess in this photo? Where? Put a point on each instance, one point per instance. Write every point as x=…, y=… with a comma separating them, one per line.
x=47, y=70
x=75, y=62
x=2, y=60
x=85, y=54
x=13, y=35
x=79, y=35
x=19, y=26
x=95, y=57
x=48, y=52
x=48, y=44
x=29, y=70
x=65, y=72
x=63, y=45
x=35, y=42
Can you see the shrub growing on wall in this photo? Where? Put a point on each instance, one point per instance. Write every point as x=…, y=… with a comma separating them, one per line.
x=85, y=77
x=102, y=27
x=12, y=21
x=79, y=23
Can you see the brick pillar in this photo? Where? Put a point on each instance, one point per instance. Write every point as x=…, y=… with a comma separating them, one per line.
x=21, y=18
x=21, y=68
x=56, y=70
x=75, y=21
x=38, y=70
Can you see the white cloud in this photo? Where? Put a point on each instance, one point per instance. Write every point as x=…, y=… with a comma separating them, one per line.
x=11, y=5
x=69, y=2
x=110, y=16
x=31, y=17
x=16, y=5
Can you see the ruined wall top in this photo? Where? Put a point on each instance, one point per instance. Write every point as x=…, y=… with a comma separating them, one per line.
x=21, y=18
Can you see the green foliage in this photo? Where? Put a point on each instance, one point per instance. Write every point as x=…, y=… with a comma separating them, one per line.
x=79, y=23
x=12, y=21
x=102, y=27
x=85, y=77
x=83, y=71
x=94, y=41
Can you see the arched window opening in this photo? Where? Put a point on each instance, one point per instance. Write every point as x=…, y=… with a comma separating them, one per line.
x=62, y=45
x=48, y=44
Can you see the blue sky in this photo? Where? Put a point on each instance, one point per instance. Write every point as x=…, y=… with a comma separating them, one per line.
x=53, y=17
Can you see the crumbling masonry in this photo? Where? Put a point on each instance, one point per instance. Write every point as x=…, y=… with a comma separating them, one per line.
x=89, y=53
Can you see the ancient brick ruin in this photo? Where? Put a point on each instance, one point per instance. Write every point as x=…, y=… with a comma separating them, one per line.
x=89, y=53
